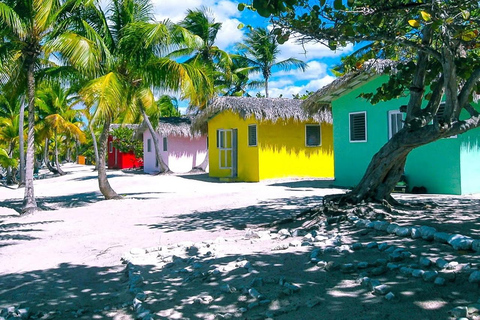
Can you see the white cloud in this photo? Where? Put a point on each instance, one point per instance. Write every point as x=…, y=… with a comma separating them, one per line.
x=313, y=71
x=289, y=90
x=229, y=34
x=310, y=51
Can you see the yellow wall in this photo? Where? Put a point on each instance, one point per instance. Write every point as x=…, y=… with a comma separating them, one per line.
x=281, y=150
x=247, y=156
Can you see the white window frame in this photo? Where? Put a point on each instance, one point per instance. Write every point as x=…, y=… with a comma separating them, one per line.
x=149, y=145
x=350, y=126
x=165, y=143
x=256, y=135
x=390, y=126
x=319, y=135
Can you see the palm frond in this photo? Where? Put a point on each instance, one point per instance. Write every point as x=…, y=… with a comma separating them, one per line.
x=10, y=18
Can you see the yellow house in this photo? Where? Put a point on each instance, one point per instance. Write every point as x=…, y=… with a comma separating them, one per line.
x=252, y=139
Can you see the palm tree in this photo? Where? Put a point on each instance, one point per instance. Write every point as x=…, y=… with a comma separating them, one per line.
x=9, y=134
x=59, y=116
x=261, y=49
x=136, y=44
x=31, y=30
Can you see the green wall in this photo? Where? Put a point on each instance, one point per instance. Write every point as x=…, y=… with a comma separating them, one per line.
x=435, y=166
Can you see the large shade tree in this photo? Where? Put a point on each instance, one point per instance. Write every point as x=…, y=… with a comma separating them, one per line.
x=435, y=46
x=261, y=50
x=30, y=31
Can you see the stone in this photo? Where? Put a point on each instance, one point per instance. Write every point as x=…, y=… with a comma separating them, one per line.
x=415, y=233
x=473, y=308
x=392, y=228
x=439, y=281
x=347, y=268
x=403, y=232
x=282, y=246
x=383, y=246
x=406, y=271
x=448, y=275
x=255, y=294
x=441, y=263
x=425, y=262
x=372, y=245
x=459, y=312
x=24, y=313
x=429, y=276
x=390, y=249
x=141, y=296
x=308, y=237
x=322, y=264
x=396, y=256
x=382, y=289
x=378, y=271
x=284, y=233
x=427, y=232
x=452, y=265
x=362, y=265
x=474, y=277
x=418, y=273
x=407, y=254
x=476, y=245
x=381, y=262
x=389, y=296
x=381, y=225
x=392, y=266
x=361, y=223
x=332, y=266
x=460, y=242
x=372, y=283
x=441, y=237
x=331, y=250
x=313, y=302
x=291, y=287
x=299, y=233
x=356, y=246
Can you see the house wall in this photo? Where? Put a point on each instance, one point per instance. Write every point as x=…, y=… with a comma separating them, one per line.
x=470, y=161
x=182, y=155
x=280, y=151
x=247, y=155
x=283, y=152
x=435, y=166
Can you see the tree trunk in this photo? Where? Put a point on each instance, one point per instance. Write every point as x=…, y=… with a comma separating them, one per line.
x=103, y=183
x=387, y=166
x=57, y=164
x=46, y=158
x=95, y=146
x=21, y=142
x=29, y=203
x=163, y=166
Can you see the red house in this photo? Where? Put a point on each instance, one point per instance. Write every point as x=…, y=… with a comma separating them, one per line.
x=121, y=160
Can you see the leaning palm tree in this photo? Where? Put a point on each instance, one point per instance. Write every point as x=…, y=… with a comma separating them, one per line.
x=30, y=30
x=261, y=50
x=137, y=45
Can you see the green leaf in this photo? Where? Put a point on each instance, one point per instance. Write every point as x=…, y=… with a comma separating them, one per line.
x=322, y=2
x=337, y=5
x=240, y=26
x=241, y=6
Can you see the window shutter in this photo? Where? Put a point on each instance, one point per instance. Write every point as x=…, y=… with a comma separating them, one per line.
x=165, y=146
x=358, y=130
x=312, y=135
x=252, y=135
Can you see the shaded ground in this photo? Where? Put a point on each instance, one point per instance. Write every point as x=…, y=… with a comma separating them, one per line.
x=65, y=261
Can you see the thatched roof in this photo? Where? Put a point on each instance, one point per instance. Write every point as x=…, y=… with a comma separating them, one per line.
x=114, y=126
x=320, y=100
x=174, y=126
x=268, y=109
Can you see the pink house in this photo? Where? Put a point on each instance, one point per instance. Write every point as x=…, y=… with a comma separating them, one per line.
x=182, y=149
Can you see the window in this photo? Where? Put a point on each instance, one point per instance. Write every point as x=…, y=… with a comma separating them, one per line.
x=395, y=122
x=252, y=135
x=358, y=126
x=312, y=135
x=110, y=147
x=165, y=145
x=149, y=145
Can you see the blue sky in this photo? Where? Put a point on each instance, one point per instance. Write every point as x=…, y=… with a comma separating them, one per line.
x=319, y=58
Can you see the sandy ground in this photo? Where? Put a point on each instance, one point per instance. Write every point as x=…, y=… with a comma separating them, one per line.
x=64, y=262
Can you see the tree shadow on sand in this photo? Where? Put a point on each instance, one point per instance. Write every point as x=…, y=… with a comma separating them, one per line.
x=238, y=218
x=59, y=293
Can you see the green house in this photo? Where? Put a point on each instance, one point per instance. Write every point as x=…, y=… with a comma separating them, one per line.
x=447, y=166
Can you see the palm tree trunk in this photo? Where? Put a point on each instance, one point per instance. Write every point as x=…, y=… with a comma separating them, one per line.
x=95, y=146
x=21, y=142
x=103, y=183
x=266, y=87
x=57, y=164
x=163, y=166
x=46, y=158
x=29, y=203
